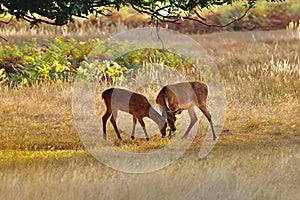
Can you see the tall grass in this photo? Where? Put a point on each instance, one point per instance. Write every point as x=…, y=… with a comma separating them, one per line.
x=295, y=28
x=260, y=74
x=256, y=157
x=258, y=67
x=253, y=172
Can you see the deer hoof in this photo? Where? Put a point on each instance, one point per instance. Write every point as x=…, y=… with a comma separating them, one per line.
x=132, y=137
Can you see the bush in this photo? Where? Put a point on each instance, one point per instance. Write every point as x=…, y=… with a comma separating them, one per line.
x=67, y=59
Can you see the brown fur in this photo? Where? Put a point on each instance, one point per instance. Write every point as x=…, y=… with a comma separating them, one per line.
x=136, y=104
x=173, y=99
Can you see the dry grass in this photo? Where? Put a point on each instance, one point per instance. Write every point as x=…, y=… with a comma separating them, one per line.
x=244, y=172
x=18, y=32
x=262, y=92
x=257, y=67
x=39, y=117
x=256, y=157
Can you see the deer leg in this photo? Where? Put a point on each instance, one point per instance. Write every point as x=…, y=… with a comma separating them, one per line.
x=113, y=121
x=208, y=116
x=143, y=126
x=104, y=120
x=170, y=133
x=133, y=128
x=193, y=121
x=213, y=130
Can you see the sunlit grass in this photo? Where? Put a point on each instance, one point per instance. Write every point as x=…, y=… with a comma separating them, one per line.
x=262, y=93
x=241, y=172
x=7, y=155
x=256, y=156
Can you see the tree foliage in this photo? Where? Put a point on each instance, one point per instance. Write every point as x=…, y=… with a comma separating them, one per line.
x=61, y=12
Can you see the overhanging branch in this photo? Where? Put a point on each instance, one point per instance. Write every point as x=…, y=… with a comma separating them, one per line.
x=173, y=18
x=5, y=22
x=3, y=38
x=171, y=12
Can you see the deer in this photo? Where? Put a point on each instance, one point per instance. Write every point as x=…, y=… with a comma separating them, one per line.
x=173, y=99
x=137, y=105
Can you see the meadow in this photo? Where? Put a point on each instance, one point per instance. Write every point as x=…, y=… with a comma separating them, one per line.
x=257, y=156
x=244, y=172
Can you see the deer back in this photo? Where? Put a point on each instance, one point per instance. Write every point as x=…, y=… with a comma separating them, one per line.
x=127, y=101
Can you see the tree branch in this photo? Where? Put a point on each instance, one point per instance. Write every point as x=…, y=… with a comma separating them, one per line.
x=198, y=15
x=236, y=19
x=171, y=18
x=162, y=11
x=157, y=15
x=3, y=38
x=201, y=19
x=4, y=22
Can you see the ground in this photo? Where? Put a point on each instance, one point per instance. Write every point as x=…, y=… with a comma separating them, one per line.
x=257, y=155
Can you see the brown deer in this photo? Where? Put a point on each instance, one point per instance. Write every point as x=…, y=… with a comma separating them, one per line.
x=136, y=104
x=173, y=99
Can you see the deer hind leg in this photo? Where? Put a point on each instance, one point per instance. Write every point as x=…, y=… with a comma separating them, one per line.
x=192, y=123
x=133, y=127
x=208, y=116
x=113, y=121
x=104, y=120
x=143, y=126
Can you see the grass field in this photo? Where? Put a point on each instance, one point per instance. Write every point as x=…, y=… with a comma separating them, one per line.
x=244, y=172
x=257, y=156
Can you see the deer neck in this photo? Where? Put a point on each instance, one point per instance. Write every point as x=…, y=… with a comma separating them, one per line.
x=156, y=117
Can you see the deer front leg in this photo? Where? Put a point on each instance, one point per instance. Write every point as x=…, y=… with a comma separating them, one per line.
x=144, y=128
x=133, y=128
x=213, y=129
x=193, y=121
